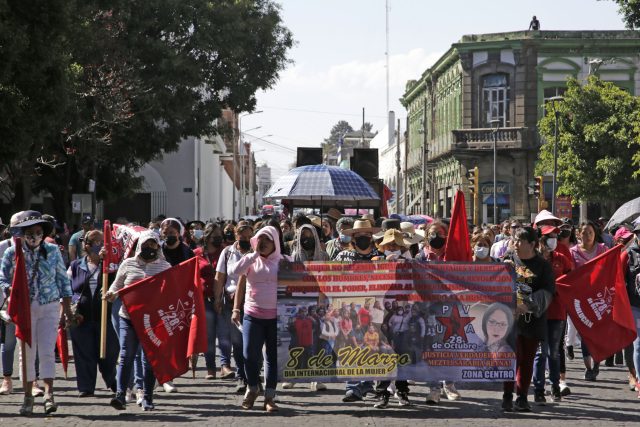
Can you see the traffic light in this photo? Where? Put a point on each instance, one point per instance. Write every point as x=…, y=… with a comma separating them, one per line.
x=537, y=187
x=472, y=176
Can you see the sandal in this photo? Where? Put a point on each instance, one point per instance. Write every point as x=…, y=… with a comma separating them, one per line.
x=270, y=406
x=49, y=405
x=27, y=406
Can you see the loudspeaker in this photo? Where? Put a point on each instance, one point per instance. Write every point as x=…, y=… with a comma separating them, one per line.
x=365, y=162
x=308, y=156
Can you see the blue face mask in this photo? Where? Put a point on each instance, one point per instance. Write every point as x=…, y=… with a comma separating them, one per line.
x=345, y=239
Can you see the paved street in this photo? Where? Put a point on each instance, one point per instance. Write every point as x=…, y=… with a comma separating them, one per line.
x=199, y=402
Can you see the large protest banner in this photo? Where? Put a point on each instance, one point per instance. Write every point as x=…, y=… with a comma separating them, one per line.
x=385, y=320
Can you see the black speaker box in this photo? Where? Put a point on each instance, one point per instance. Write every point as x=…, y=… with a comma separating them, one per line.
x=365, y=162
x=308, y=156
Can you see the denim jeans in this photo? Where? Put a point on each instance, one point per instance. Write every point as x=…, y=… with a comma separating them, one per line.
x=129, y=346
x=636, y=343
x=359, y=388
x=230, y=338
x=212, y=331
x=549, y=350
x=85, y=339
x=257, y=333
x=136, y=377
x=8, y=349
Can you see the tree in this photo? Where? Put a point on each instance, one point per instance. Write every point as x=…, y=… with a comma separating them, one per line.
x=337, y=131
x=366, y=126
x=135, y=79
x=599, y=125
x=630, y=10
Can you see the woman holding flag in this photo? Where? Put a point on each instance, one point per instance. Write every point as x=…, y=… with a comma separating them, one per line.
x=148, y=261
x=46, y=285
x=86, y=281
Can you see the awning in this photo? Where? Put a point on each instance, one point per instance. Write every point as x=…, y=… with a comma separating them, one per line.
x=502, y=200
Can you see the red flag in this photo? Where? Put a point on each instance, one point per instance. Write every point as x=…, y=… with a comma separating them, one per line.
x=19, y=309
x=63, y=348
x=458, y=247
x=595, y=296
x=108, y=247
x=167, y=313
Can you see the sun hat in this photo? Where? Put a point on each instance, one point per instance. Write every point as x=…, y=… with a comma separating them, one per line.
x=387, y=224
x=393, y=236
x=25, y=219
x=411, y=235
x=545, y=215
x=361, y=226
x=334, y=214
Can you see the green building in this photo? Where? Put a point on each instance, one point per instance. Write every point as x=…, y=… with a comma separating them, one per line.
x=494, y=86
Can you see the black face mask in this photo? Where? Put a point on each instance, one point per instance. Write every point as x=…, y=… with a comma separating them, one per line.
x=171, y=240
x=216, y=240
x=148, y=253
x=308, y=243
x=229, y=236
x=363, y=242
x=244, y=245
x=288, y=236
x=436, y=242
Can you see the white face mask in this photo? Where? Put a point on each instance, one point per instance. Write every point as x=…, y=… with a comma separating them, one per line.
x=198, y=234
x=552, y=244
x=393, y=254
x=481, y=252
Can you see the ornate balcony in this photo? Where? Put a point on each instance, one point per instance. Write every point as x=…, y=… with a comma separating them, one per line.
x=482, y=138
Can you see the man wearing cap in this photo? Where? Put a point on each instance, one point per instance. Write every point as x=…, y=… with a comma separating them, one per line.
x=362, y=250
x=607, y=238
x=632, y=278
x=48, y=285
x=76, y=248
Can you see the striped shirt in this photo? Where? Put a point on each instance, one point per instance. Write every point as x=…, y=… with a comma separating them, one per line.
x=133, y=270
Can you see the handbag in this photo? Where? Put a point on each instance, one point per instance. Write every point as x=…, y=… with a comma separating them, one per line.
x=75, y=305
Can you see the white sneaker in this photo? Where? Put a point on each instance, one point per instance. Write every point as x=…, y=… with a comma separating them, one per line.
x=450, y=391
x=316, y=386
x=169, y=387
x=130, y=396
x=287, y=386
x=433, y=398
x=139, y=396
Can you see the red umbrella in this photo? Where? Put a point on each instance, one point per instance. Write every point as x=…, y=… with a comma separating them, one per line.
x=63, y=348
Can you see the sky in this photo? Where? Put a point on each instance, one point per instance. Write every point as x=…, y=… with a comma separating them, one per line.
x=338, y=62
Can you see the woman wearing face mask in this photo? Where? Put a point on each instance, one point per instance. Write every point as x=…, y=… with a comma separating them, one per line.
x=208, y=256
x=586, y=250
x=48, y=285
x=552, y=348
x=343, y=241
x=148, y=261
x=328, y=230
x=259, y=328
x=86, y=281
x=229, y=233
x=307, y=246
x=435, y=240
x=481, y=245
x=229, y=337
x=195, y=236
x=175, y=251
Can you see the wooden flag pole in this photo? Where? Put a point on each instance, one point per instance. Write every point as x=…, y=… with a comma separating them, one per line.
x=23, y=364
x=105, y=288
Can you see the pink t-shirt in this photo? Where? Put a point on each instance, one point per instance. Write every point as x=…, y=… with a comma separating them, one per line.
x=580, y=256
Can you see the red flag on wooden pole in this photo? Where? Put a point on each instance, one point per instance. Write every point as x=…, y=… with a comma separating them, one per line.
x=458, y=247
x=19, y=309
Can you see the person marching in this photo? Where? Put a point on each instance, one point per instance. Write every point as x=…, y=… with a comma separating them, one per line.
x=48, y=285
x=148, y=261
x=552, y=348
x=86, y=281
x=259, y=325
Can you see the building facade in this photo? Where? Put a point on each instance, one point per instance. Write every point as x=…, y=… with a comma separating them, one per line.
x=494, y=87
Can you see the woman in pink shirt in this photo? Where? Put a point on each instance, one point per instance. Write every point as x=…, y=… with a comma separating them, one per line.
x=586, y=250
x=259, y=326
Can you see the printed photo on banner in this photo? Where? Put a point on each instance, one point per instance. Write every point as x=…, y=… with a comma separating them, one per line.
x=340, y=322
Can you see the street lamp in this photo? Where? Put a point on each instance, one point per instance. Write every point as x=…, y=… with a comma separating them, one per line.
x=235, y=165
x=495, y=126
x=555, y=101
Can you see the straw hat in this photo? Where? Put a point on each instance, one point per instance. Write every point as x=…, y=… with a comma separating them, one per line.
x=393, y=236
x=370, y=218
x=361, y=226
x=411, y=235
x=315, y=221
x=334, y=214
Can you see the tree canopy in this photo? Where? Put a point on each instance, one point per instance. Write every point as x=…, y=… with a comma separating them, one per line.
x=100, y=87
x=630, y=11
x=599, y=133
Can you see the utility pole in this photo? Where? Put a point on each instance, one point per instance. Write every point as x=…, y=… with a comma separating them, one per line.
x=398, y=165
x=363, y=145
x=424, y=161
